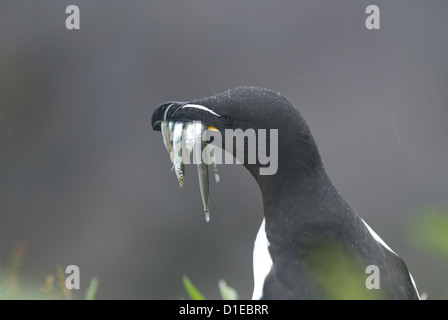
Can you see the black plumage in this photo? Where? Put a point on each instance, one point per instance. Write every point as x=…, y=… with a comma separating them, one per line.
x=317, y=242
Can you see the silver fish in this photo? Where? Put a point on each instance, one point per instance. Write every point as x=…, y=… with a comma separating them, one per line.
x=179, y=167
x=214, y=166
x=167, y=128
x=189, y=138
x=202, y=167
x=171, y=130
x=166, y=135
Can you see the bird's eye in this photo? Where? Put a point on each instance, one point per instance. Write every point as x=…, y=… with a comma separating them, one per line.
x=225, y=119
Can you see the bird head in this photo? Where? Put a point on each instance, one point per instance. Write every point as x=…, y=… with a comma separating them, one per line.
x=248, y=109
x=238, y=108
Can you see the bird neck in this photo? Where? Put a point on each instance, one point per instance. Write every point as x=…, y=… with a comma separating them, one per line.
x=296, y=204
x=299, y=168
x=289, y=189
x=296, y=195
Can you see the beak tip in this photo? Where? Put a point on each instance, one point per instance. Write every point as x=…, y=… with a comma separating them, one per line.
x=163, y=112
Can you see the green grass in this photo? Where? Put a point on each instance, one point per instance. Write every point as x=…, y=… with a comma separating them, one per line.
x=227, y=293
x=15, y=287
x=92, y=289
x=191, y=289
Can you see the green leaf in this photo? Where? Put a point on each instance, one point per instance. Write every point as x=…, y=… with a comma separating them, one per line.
x=429, y=229
x=227, y=293
x=92, y=289
x=192, y=291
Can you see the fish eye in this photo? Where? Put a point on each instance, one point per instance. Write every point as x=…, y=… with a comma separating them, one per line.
x=225, y=118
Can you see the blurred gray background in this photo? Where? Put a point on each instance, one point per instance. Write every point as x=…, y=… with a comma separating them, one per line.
x=84, y=180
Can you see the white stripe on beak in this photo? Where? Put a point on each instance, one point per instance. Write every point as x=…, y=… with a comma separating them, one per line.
x=166, y=111
x=198, y=106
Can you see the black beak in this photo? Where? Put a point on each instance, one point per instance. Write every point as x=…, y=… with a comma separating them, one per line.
x=164, y=112
x=182, y=111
